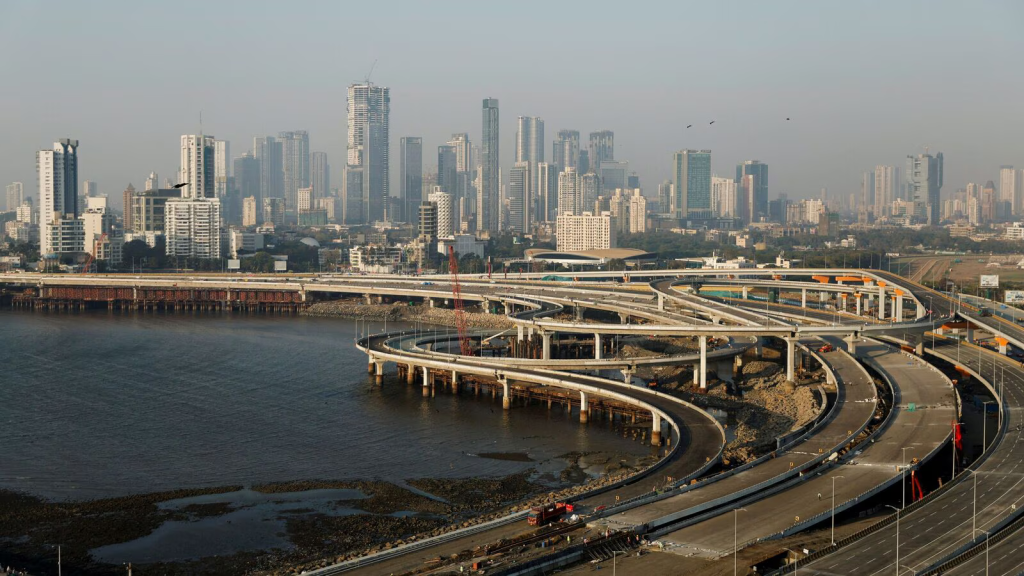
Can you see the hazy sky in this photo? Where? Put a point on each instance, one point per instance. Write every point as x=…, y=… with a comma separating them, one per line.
x=865, y=83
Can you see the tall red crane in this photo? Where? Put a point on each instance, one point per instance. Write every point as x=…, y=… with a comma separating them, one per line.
x=465, y=346
x=92, y=255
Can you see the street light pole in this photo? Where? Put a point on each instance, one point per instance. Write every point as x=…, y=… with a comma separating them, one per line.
x=897, y=538
x=735, y=542
x=984, y=425
x=903, y=480
x=834, y=509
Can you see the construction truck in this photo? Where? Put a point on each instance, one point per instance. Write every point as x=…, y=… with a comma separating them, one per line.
x=541, y=515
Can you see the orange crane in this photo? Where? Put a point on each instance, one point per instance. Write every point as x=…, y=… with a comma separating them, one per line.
x=465, y=346
x=92, y=255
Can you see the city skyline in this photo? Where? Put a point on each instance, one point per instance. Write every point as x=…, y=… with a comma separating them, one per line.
x=830, y=111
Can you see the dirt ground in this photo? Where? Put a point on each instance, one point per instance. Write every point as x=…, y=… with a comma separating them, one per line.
x=927, y=269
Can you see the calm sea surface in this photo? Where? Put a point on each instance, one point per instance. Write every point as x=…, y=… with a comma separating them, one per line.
x=98, y=404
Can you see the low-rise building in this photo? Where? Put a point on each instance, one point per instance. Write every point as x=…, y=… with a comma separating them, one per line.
x=463, y=244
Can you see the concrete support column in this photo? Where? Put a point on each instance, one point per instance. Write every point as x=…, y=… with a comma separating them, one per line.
x=508, y=308
x=410, y=374
x=790, y=359
x=851, y=344
x=803, y=297
x=379, y=372
x=627, y=375
x=857, y=298
x=919, y=349
x=545, y=345
x=426, y=381
x=759, y=347
x=529, y=332
x=746, y=293
x=519, y=332
x=506, y=399
x=1002, y=342
x=970, y=333
x=367, y=299
x=455, y=382
x=655, y=429
x=661, y=301
x=584, y=408
x=881, y=302
x=899, y=308
x=623, y=318
x=703, y=362
x=370, y=367
x=921, y=311
x=597, y=346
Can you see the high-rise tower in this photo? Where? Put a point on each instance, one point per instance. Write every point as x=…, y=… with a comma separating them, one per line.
x=602, y=148
x=489, y=196
x=692, y=193
x=924, y=182
x=294, y=165
x=411, y=173
x=197, y=166
x=369, y=109
x=757, y=200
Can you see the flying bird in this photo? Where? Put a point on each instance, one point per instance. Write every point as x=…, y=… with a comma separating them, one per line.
x=787, y=118
x=689, y=125
x=712, y=122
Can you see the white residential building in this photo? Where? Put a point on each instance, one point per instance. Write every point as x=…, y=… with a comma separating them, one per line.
x=585, y=232
x=192, y=228
x=58, y=197
x=197, y=166
x=443, y=203
x=221, y=167
x=26, y=213
x=723, y=197
x=570, y=200
x=64, y=236
x=1010, y=188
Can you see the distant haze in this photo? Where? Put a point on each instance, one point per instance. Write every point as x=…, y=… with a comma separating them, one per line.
x=865, y=83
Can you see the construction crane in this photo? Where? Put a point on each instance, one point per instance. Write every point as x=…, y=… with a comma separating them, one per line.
x=92, y=256
x=465, y=346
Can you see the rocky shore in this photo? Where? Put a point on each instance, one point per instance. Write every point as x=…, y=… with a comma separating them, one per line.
x=353, y=309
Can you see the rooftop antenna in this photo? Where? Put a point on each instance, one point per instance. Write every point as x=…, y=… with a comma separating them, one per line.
x=370, y=73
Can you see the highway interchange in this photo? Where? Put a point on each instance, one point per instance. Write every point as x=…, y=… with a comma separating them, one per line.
x=791, y=491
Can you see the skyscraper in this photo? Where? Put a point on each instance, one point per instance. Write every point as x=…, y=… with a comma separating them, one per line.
x=269, y=152
x=247, y=178
x=665, y=196
x=128, y=198
x=1010, y=188
x=445, y=219
x=547, y=192
x=589, y=191
x=602, y=149
x=565, y=152
x=867, y=194
x=197, y=166
x=530, y=140
x=757, y=202
x=887, y=189
x=614, y=174
x=489, y=196
x=692, y=193
x=369, y=109
x=569, y=199
x=319, y=174
x=221, y=167
x=58, y=198
x=411, y=172
x=447, y=169
x=152, y=182
x=924, y=183
x=294, y=165
x=724, y=197
x=463, y=152
x=518, y=201
x=15, y=195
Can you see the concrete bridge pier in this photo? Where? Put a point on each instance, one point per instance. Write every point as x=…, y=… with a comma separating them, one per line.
x=919, y=349
x=545, y=343
x=661, y=301
x=723, y=369
x=1002, y=342
x=623, y=318
x=655, y=429
x=790, y=359
x=410, y=374
x=703, y=362
x=758, y=347
x=378, y=372
x=597, y=346
x=508, y=310
x=803, y=297
x=506, y=399
x=584, y=408
x=519, y=332
x=856, y=298
x=455, y=382
x=970, y=333
x=367, y=299
x=899, y=308
x=627, y=374
x=851, y=344
x=921, y=311
x=881, y=302
x=746, y=293
x=370, y=367
x=426, y=382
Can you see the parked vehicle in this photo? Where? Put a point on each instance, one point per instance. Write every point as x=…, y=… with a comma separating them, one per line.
x=542, y=515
